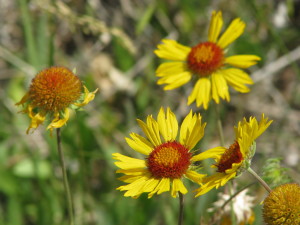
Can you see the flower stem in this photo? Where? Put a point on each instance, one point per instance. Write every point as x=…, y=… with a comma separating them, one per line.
x=180, y=216
x=219, y=123
x=65, y=178
x=261, y=181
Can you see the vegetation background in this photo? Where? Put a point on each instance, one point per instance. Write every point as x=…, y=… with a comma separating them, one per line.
x=111, y=43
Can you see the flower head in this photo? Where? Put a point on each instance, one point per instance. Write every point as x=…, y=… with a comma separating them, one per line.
x=282, y=206
x=207, y=61
x=242, y=205
x=167, y=160
x=51, y=93
x=232, y=161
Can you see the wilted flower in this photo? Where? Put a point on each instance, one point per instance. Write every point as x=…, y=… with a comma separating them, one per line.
x=52, y=92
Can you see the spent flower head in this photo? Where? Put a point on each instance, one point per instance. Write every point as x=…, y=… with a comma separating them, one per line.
x=53, y=91
x=167, y=159
x=282, y=206
x=208, y=63
x=232, y=161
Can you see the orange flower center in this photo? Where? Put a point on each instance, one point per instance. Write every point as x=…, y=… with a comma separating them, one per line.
x=230, y=156
x=54, y=89
x=169, y=160
x=205, y=58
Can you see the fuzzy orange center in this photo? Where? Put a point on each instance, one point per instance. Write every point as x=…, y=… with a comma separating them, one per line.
x=169, y=160
x=205, y=58
x=230, y=156
x=54, y=89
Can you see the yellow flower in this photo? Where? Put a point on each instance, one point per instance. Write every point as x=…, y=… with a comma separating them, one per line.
x=282, y=206
x=208, y=63
x=52, y=92
x=232, y=161
x=166, y=159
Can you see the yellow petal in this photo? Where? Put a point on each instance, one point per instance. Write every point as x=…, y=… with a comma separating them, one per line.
x=175, y=80
x=235, y=29
x=242, y=61
x=151, y=130
x=36, y=119
x=171, y=68
x=134, y=188
x=88, y=96
x=191, y=130
x=219, y=87
x=127, y=163
x=213, y=181
x=172, y=50
x=168, y=124
x=58, y=122
x=215, y=26
x=211, y=153
x=178, y=186
x=139, y=144
x=237, y=79
x=163, y=186
x=194, y=176
x=201, y=93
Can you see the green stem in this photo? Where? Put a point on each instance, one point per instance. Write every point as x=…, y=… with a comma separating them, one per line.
x=219, y=123
x=180, y=216
x=65, y=178
x=261, y=181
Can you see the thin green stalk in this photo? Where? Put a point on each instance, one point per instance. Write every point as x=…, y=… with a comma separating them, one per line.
x=180, y=216
x=261, y=181
x=65, y=178
x=219, y=123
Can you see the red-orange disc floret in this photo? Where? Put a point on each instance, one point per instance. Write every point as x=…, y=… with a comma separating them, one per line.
x=205, y=58
x=54, y=89
x=230, y=156
x=169, y=160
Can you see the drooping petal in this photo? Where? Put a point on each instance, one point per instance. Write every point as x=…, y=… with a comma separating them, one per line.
x=237, y=79
x=201, y=93
x=178, y=186
x=88, y=96
x=168, y=124
x=219, y=87
x=242, y=61
x=139, y=144
x=215, y=26
x=58, y=122
x=235, y=29
x=36, y=119
x=24, y=99
x=172, y=50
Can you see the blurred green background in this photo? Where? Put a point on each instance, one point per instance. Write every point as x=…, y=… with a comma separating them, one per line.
x=111, y=43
